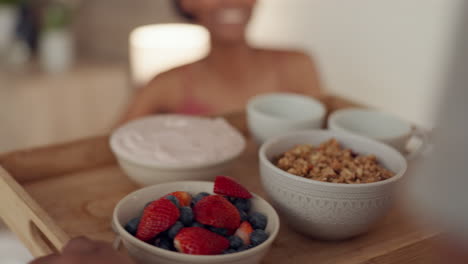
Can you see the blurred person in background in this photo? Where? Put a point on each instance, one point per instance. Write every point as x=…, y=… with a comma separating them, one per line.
x=232, y=72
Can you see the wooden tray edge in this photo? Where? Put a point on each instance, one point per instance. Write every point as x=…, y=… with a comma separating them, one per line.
x=27, y=219
x=55, y=160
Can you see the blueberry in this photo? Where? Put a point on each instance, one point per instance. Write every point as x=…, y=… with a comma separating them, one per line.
x=219, y=231
x=258, y=221
x=245, y=247
x=199, y=196
x=174, y=230
x=164, y=242
x=258, y=236
x=196, y=224
x=186, y=216
x=173, y=199
x=235, y=242
x=148, y=203
x=132, y=226
x=243, y=204
x=229, y=251
x=244, y=216
x=165, y=246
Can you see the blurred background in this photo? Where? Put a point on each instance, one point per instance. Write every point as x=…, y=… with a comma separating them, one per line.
x=68, y=67
x=65, y=69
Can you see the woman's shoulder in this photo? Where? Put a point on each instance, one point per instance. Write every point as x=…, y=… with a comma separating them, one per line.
x=297, y=69
x=176, y=78
x=172, y=76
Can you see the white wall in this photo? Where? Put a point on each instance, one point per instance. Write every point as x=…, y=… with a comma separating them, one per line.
x=389, y=54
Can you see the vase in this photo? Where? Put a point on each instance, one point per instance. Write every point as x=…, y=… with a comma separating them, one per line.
x=8, y=21
x=56, y=50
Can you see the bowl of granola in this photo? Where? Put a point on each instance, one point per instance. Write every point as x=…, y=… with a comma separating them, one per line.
x=330, y=185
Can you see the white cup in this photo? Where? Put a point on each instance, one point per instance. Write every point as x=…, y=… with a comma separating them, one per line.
x=380, y=126
x=273, y=114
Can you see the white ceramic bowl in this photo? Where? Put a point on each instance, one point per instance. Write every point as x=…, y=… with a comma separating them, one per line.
x=380, y=126
x=146, y=172
x=323, y=210
x=269, y=115
x=132, y=205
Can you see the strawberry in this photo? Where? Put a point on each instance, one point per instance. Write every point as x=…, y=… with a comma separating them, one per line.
x=217, y=211
x=228, y=186
x=244, y=232
x=184, y=198
x=157, y=217
x=199, y=241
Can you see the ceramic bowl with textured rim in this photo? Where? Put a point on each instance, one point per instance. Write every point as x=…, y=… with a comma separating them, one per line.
x=132, y=205
x=329, y=211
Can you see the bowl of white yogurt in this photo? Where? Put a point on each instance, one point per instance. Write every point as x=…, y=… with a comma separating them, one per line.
x=166, y=148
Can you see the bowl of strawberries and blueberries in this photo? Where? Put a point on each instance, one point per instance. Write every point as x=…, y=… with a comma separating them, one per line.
x=202, y=223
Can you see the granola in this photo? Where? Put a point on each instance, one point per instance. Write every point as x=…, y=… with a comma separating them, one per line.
x=331, y=163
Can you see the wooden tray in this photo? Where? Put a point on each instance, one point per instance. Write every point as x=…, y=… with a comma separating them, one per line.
x=52, y=194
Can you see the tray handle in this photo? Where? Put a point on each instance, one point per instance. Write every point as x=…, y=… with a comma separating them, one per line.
x=27, y=219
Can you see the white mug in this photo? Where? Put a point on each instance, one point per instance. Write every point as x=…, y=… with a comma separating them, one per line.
x=380, y=126
x=273, y=114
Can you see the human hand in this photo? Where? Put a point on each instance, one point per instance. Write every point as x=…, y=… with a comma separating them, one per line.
x=82, y=250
